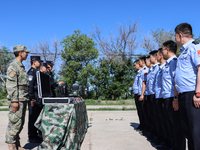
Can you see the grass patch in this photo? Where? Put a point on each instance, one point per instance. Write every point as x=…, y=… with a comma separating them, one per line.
x=110, y=102
x=4, y=109
x=110, y=109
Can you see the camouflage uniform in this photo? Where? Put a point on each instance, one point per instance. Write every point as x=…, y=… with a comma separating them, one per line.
x=17, y=87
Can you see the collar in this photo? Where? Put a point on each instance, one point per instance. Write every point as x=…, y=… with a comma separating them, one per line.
x=168, y=60
x=161, y=66
x=186, y=45
x=18, y=62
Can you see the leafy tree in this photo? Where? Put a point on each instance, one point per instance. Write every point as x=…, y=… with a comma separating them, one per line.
x=79, y=55
x=113, y=79
x=6, y=57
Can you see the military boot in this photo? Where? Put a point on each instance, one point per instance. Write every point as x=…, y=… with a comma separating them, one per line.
x=12, y=146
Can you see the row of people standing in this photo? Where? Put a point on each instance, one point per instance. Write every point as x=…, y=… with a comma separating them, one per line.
x=167, y=92
x=22, y=89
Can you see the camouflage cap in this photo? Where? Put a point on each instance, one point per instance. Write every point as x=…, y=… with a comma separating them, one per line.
x=19, y=48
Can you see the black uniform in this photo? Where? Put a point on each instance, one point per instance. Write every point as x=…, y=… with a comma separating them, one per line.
x=53, y=84
x=35, y=110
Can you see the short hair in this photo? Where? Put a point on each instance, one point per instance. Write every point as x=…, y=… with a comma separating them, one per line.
x=160, y=50
x=136, y=61
x=16, y=53
x=171, y=45
x=32, y=61
x=153, y=53
x=185, y=29
x=143, y=57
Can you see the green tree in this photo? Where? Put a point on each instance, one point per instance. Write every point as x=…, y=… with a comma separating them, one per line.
x=79, y=56
x=112, y=79
x=6, y=57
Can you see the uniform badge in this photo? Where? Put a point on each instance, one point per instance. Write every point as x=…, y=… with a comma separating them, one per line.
x=198, y=53
x=30, y=78
x=12, y=74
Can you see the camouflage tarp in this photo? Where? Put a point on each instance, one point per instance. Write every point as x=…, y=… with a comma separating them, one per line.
x=63, y=126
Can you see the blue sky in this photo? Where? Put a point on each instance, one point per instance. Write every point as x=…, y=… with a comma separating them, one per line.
x=28, y=21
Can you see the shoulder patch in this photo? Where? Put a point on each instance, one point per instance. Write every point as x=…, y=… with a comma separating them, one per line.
x=195, y=42
x=30, y=77
x=12, y=74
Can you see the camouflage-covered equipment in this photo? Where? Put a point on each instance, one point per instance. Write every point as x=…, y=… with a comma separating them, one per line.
x=63, y=126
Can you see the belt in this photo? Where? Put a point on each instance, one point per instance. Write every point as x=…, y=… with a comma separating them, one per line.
x=23, y=87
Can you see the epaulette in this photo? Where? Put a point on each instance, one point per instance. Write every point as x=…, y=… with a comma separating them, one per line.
x=195, y=42
x=174, y=58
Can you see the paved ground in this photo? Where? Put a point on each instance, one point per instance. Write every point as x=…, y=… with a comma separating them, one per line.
x=108, y=130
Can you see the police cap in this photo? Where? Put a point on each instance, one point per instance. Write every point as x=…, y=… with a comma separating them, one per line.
x=50, y=63
x=36, y=58
x=44, y=64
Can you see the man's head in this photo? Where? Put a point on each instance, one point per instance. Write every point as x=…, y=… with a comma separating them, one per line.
x=159, y=55
x=148, y=62
x=142, y=60
x=153, y=56
x=36, y=61
x=137, y=65
x=50, y=65
x=43, y=67
x=183, y=33
x=169, y=49
x=21, y=51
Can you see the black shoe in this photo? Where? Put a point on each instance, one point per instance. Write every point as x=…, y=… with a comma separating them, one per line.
x=35, y=140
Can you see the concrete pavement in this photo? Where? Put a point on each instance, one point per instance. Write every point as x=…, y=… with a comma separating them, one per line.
x=108, y=130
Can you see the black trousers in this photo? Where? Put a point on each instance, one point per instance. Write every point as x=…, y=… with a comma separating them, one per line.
x=34, y=112
x=174, y=125
x=190, y=117
x=161, y=118
x=141, y=112
x=138, y=107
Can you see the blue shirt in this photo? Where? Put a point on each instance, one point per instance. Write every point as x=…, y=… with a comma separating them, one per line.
x=151, y=78
x=168, y=77
x=141, y=78
x=135, y=84
x=158, y=82
x=186, y=71
x=147, y=84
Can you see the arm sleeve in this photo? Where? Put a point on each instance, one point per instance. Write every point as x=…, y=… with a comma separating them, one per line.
x=32, y=80
x=173, y=68
x=195, y=54
x=11, y=84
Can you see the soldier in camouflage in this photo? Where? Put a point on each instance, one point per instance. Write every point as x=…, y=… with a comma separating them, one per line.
x=17, y=87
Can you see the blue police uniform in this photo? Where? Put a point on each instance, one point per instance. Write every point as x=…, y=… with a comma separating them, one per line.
x=135, y=91
x=141, y=78
x=151, y=78
x=172, y=117
x=147, y=91
x=185, y=83
x=135, y=84
x=158, y=82
x=168, y=77
x=163, y=130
